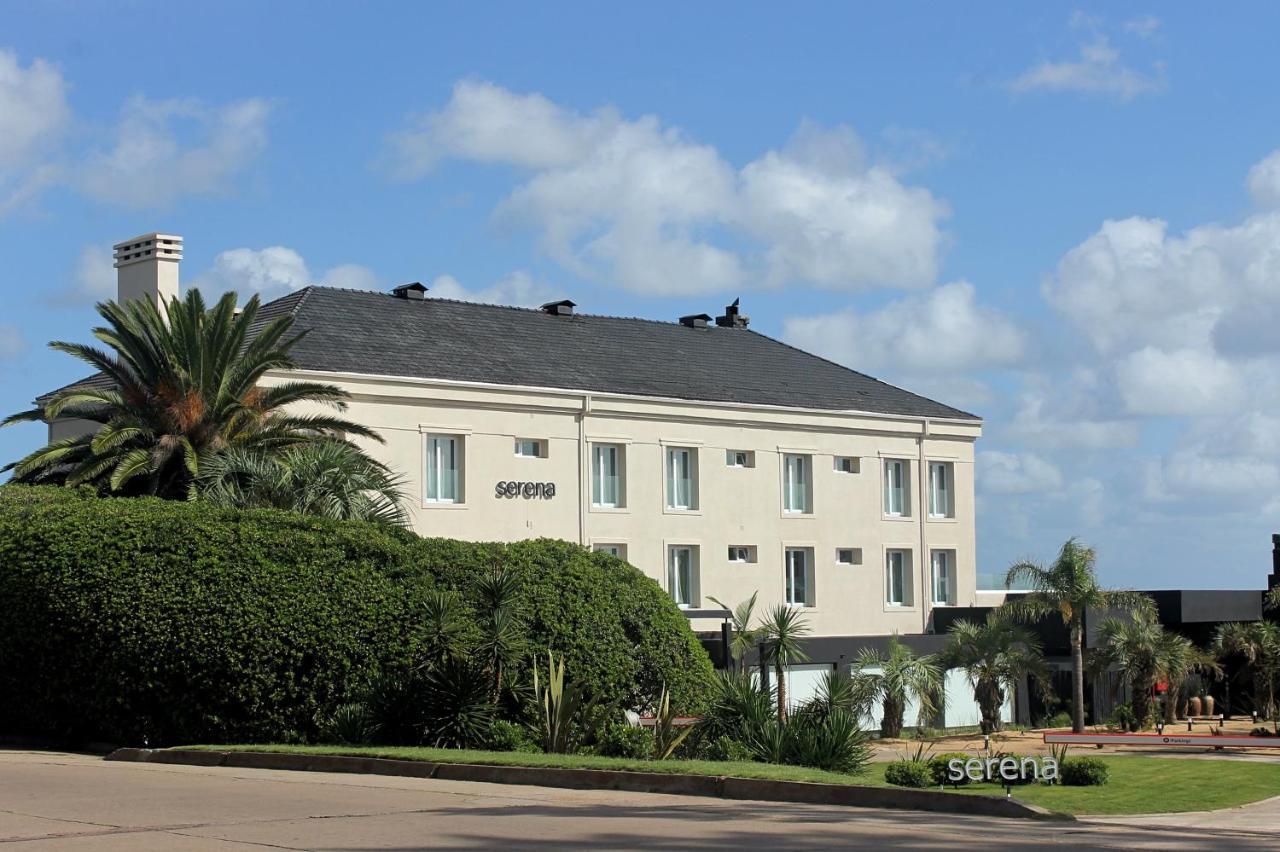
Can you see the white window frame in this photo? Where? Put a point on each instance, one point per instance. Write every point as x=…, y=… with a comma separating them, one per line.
x=948, y=584
x=676, y=500
x=688, y=589
x=801, y=593
x=855, y=557
x=793, y=486
x=435, y=476
x=599, y=454
x=897, y=589
x=741, y=554
x=853, y=465
x=897, y=488
x=942, y=501
x=539, y=451
x=739, y=458
x=613, y=548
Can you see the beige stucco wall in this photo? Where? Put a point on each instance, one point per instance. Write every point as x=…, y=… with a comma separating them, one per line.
x=737, y=506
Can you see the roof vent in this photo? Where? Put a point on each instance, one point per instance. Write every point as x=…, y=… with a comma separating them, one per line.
x=696, y=320
x=563, y=308
x=413, y=290
x=731, y=318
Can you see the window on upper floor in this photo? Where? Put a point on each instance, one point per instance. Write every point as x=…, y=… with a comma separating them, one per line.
x=847, y=464
x=530, y=448
x=608, y=476
x=618, y=550
x=941, y=490
x=443, y=469
x=897, y=488
x=739, y=458
x=682, y=478
x=849, y=556
x=797, y=483
x=742, y=553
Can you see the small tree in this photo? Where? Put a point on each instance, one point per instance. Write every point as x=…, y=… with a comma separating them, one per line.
x=784, y=631
x=994, y=655
x=1067, y=588
x=896, y=679
x=1144, y=653
x=745, y=637
x=501, y=628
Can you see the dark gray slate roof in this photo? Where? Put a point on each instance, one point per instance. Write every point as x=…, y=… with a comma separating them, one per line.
x=363, y=332
x=353, y=331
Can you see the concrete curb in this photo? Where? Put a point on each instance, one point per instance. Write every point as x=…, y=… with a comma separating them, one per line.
x=722, y=787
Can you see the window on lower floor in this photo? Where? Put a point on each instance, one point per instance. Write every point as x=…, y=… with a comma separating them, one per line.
x=618, y=550
x=742, y=553
x=799, y=576
x=942, y=576
x=443, y=469
x=849, y=556
x=897, y=580
x=682, y=574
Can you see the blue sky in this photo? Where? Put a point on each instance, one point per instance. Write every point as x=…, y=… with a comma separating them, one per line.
x=1063, y=217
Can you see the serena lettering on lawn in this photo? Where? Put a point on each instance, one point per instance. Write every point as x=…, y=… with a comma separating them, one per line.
x=1006, y=768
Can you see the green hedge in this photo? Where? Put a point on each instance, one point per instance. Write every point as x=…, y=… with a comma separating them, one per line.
x=134, y=619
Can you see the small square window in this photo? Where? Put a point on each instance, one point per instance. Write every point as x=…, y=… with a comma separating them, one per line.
x=530, y=448
x=849, y=556
x=741, y=553
x=846, y=464
x=740, y=458
x=618, y=550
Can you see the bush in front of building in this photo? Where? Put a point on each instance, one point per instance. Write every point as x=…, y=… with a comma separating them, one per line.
x=940, y=769
x=139, y=620
x=619, y=739
x=908, y=773
x=618, y=632
x=1082, y=772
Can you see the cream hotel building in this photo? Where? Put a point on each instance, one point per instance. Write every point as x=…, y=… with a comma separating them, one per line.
x=715, y=459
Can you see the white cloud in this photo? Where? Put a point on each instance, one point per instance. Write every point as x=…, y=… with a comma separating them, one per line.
x=1098, y=68
x=641, y=204
x=351, y=276
x=1264, y=181
x=1016, y=473
x=1195, y=473
x=12, y=342
x=1178, y=382
x=1066, y=418
x=518, y=289
x=95, y=276
x=943, y=331
x=33, y=116
x=165, y=149
x=276, y=271
x=1144, y=26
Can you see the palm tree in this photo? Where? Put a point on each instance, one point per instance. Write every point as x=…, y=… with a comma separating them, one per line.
x=1272, y=599
x=994, y=655
x=332, y=479
x=1259, y=643
x=1067, y=588
x=176, y=388
x=896, y=679
x=784, y=630
x=1145, y=654
x=745, y=637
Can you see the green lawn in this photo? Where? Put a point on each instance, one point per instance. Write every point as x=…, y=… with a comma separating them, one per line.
x=1138, y=784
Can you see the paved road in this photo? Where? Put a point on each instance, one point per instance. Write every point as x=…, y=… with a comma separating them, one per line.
x=74, y=802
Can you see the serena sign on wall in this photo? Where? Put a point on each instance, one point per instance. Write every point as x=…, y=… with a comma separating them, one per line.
x=527, y=490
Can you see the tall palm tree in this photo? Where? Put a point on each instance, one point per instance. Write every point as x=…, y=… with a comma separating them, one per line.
x=1067, y=588
x=332, y=479
x=1144, y=653
x=178, y=387
x=994, y=655
x=745, y=637
x=896, y=679
x=1259, y=643
x=784, y=630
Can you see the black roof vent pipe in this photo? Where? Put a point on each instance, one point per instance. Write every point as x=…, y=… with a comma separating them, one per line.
x=731, y=317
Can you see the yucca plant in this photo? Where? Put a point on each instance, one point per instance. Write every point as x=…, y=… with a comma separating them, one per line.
x=501, y=628
x=175, y=389
x=666, y=737
x=561, y=705
x=745, y=637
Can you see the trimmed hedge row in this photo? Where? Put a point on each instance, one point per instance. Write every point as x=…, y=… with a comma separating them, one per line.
x=138, y=620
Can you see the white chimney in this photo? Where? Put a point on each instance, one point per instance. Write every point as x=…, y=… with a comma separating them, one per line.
x=147, y=268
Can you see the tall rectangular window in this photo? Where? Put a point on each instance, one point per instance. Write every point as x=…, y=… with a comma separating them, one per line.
x=897, y=566
x=606, y=475
x=799, y=577
x=941, y=570
x=796, y=484
x=682, y=574
x=940, y=489
x=444, y=469
x=897, y=487
x=682, y=478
